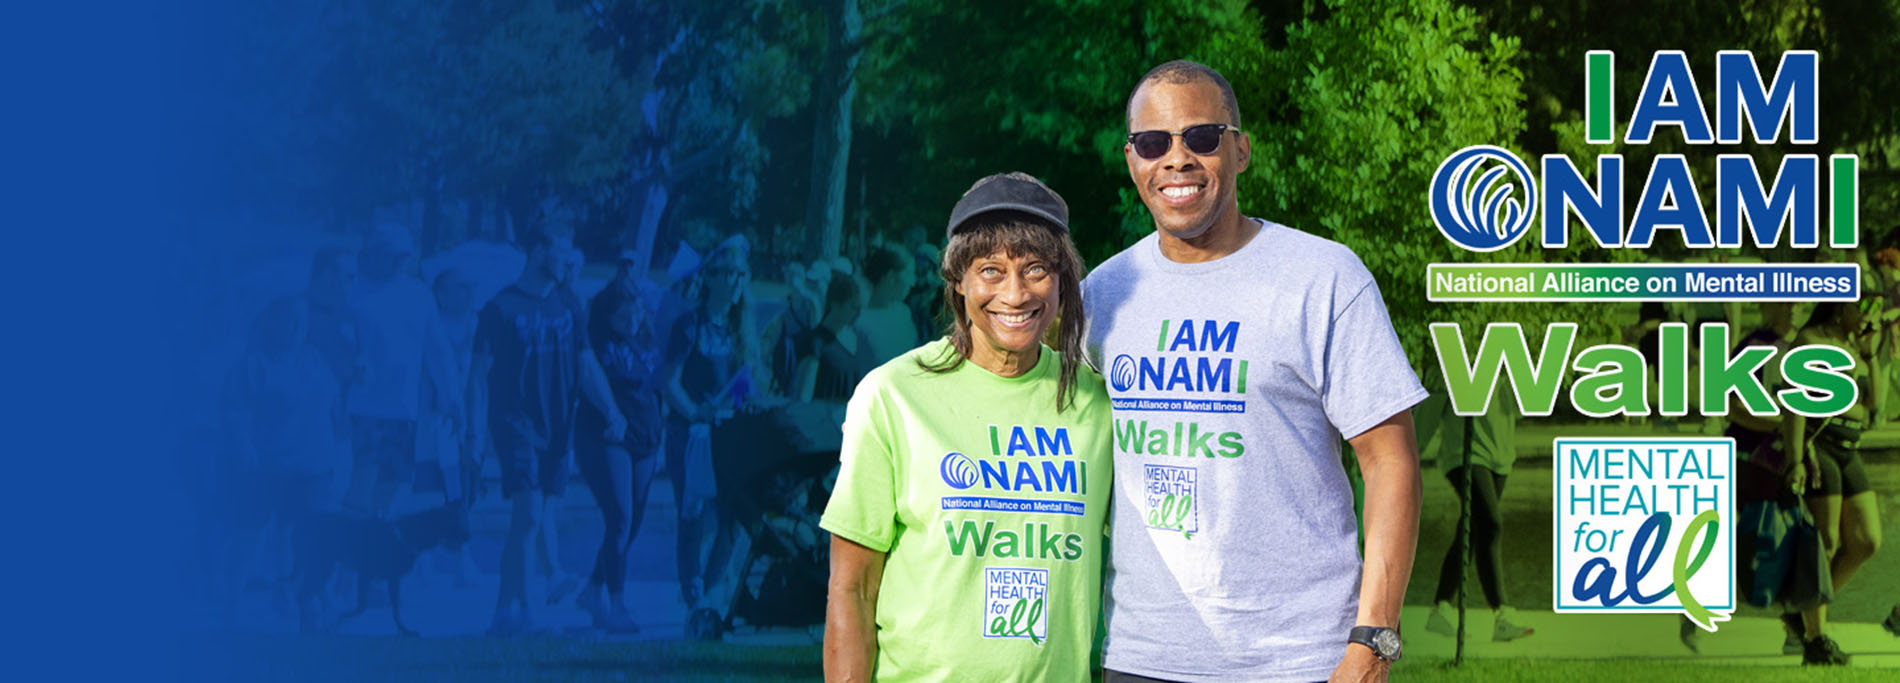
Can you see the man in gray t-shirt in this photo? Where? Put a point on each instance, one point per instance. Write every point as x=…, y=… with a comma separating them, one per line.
x=1239, y=353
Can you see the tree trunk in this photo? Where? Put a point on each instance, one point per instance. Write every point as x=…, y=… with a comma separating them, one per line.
x=831, y=129
x=647, y=225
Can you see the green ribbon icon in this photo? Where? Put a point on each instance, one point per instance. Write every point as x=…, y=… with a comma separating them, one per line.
x=1685, y=567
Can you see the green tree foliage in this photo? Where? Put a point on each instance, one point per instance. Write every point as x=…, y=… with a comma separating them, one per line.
x=472, y=100
x=1361, y=106
x=970, y=89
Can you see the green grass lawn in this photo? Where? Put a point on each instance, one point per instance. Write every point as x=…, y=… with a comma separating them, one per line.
x=287, y=657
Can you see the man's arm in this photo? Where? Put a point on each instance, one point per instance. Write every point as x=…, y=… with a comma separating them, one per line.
x=1388, y=460
x=851, y=611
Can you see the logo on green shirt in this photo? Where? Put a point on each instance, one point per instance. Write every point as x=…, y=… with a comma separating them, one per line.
x=1015, y=603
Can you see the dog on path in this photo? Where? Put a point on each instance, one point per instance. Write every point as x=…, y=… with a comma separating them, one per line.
x=376, y=549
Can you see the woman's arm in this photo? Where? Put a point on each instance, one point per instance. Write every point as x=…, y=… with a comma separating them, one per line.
x=851, y=611
x=807, y=379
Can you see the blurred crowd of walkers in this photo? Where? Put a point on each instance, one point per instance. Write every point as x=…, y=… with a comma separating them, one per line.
x=398, y=380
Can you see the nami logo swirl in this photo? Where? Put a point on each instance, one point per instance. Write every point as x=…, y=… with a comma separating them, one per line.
x=1122, y=373
x=1483, y=198
x=958, y=471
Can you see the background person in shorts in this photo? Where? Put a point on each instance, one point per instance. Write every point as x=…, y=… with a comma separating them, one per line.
x=1839, y=492
x=396, y=328
x=619, y=473
x=533, y=336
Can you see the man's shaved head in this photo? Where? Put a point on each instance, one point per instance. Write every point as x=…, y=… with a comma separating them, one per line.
x=1182, y=72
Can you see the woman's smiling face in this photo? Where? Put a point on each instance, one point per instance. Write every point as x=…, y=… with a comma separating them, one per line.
x=1010, y=302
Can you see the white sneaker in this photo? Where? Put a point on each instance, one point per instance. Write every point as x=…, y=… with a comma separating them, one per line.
x=1504, y=629
x=1439, y=623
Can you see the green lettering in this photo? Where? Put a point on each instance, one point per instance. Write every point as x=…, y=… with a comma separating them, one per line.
x=1617, y=383
x=1197, y=441
x=967, y=535
x=1128, y=436
x=1006, y=545
x=1732, y=375
x=1822, y=370
x=1503, y=348
x=1673, y=369
x=1231, y=442
x=1047, y=544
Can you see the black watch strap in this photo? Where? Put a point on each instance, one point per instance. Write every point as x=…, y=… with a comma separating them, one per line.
x=1383, y=641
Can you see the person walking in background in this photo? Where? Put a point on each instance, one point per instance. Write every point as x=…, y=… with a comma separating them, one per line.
x=283, y=413
x=887, y=325
x=1493, y=450
x=1839, y=492
x=619, y=473
x=547, y=547
x=926, y=299
x=453, y=428
x=533, y=338
x=1772, y=459
x=711, y=361
x=829, y=365
x=396, y=322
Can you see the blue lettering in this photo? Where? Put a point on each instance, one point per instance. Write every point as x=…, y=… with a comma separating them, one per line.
x=1183, y=337
x=1179, y=377
x=1211, y=374
x=1151, y=373
x=1740, y=94
x=1596, y=579
x=1670, y=99
x=1740, y=195
x=1056, y=444
x=995, y=474
x=1026, y=474
x=1565, y=192
x=1221, y=339
x=1018, y=441
x=1670, y=201
x=1060, y=478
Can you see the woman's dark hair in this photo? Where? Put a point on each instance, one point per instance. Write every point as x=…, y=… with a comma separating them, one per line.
x=842, y=290
x=1014, y=233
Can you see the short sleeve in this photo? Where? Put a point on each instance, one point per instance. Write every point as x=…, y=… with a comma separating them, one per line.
x=1092, y=331
x=863, y=505
x=1367, y=376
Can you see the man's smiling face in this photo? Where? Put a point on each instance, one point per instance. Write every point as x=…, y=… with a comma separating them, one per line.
x=1186, y=192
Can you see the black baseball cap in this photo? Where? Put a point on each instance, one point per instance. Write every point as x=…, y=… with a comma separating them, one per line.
x=1010, y=192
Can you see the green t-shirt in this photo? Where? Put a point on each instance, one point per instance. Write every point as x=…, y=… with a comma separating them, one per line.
x=988, y=504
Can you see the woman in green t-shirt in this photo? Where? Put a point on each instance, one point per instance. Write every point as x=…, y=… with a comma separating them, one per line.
x=967, y=518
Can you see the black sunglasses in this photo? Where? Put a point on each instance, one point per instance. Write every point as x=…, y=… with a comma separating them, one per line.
x=1203, y=139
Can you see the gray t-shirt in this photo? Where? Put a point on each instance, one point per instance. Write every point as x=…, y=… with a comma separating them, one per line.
x=1235, y=549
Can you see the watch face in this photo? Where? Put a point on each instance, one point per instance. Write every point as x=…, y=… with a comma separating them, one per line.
x=1387, y=641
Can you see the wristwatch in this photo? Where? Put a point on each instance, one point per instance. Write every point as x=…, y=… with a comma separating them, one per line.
x=1383, y=641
